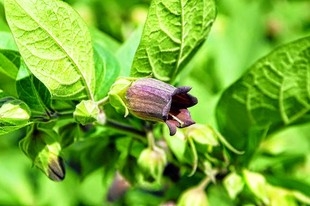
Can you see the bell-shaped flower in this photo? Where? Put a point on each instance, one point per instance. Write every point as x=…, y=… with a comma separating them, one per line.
x=153, y=100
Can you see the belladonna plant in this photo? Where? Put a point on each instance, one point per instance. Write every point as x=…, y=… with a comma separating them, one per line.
x=153, y=100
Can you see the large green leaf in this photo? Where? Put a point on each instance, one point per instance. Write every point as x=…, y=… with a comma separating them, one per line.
x=273, y=94
x=9, y=65
x=14, y=114
x=125, y=54
x=33, y=93
x=107, y=70
x=104, y=40
x=173, y=32
x=55, y=44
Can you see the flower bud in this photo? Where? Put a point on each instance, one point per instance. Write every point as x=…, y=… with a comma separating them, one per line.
x=152, y=162
x=153, y=100
x=86, y=112
x=194, y=196
x=42, y=147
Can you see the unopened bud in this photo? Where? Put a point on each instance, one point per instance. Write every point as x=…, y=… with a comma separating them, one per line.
x=43, y=148
x=194, y=196
x=152, y=162
x=56, y=169
x=86, y=112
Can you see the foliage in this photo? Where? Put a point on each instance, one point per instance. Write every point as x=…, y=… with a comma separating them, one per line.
x=66, y=67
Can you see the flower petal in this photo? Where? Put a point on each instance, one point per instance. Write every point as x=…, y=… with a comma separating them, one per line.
x=181, y=98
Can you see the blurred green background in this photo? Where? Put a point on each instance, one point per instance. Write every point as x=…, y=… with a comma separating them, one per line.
x=244, y=31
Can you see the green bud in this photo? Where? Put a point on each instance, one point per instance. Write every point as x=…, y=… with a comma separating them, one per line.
x=14, y=114
x=86, y=112
x=234, y=184
x=203, y=134
x=43, y=148
x=152, y=162
x=194, y=196
x=117, y=94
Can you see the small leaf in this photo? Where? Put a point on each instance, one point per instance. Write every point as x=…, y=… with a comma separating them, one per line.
x=55, y=44
x=107, y=70
x=14, y=114
x=33, y=93
x=9, y=65
x=202, y=134
x=273, y=94
x=86, y=112
x=173, y=32
x=117, y=94
x=69, y=132
x=234, y=184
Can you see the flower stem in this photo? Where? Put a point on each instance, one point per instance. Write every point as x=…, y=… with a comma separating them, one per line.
x=150, y=139
x=205, y=182
x=103, y=101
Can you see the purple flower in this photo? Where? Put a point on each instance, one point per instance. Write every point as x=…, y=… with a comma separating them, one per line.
x=153, y=100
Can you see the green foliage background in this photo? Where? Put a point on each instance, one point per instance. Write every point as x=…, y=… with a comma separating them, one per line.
x=243, y=32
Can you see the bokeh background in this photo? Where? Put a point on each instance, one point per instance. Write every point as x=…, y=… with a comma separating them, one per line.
x=244, y=31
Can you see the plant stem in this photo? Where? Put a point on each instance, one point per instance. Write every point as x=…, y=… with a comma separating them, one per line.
x=103, y=101
x=150, y=139
x=205, y=182
x=125, y=129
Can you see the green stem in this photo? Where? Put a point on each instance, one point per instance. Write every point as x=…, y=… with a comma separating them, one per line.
x=150, y=139
x=125, y=129
x=103, y=101
x=205, y=182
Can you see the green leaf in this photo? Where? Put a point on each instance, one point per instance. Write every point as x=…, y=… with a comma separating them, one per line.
x=7, y=41
x=68, y=131
x=104, y=40
x=203, y=134
x=9, y=65
x=125, y=54
x=107, y=70
x=14, y=114
x=173, y=32
x=117, y=94
x=273, y=94
x=55, y=44
x=33, y=93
